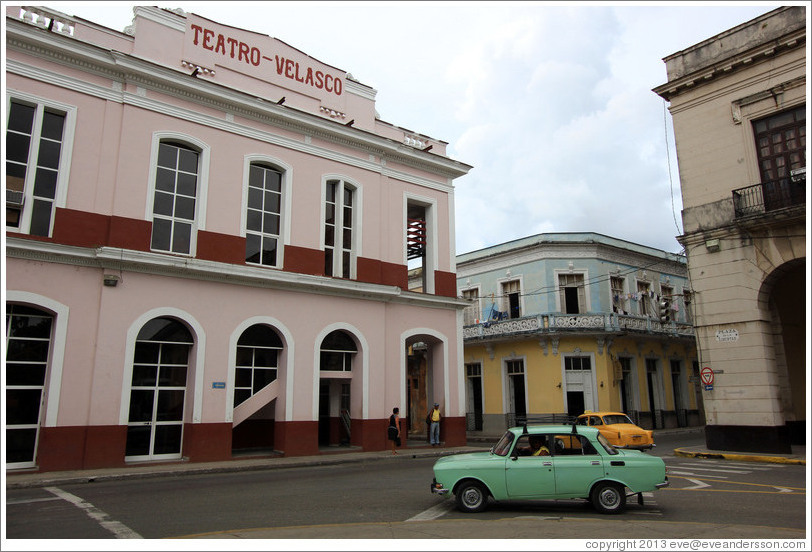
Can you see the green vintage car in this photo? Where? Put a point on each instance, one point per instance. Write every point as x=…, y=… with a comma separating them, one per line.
x=550, y=462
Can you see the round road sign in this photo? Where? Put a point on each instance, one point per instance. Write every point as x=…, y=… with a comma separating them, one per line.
x=707, y=375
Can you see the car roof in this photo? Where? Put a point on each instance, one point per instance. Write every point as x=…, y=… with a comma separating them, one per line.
x=554, y=428
x=602, y=413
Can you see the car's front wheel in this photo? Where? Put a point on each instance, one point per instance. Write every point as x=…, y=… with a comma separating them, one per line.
x=608, y=498
x=471, y=496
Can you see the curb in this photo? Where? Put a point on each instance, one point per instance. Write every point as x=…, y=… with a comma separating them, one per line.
x=22, y=481
x=740, y=457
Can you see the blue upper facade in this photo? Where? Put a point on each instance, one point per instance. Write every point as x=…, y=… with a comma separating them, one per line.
x=572, y=273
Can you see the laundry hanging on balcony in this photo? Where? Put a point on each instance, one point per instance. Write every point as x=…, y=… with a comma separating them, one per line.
x=493, y=315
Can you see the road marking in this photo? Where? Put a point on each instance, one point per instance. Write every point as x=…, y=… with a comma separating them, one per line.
x=434, y=512
x=672, y=472
x=735, y=467
x=697, y=485
x=801, y=490
x=718, y=470
x=118, y=529
x=31, y=500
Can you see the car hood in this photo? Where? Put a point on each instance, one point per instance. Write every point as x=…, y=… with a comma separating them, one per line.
x=462, y=457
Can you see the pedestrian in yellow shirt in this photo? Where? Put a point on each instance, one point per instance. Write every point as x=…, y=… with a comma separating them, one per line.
x=434, y=428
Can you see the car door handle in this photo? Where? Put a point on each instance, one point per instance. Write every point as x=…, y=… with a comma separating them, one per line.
x=596, y=463
x=618, y=463
x=547, y=464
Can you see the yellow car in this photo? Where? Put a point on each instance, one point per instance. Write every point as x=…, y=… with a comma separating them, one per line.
x=618, y=429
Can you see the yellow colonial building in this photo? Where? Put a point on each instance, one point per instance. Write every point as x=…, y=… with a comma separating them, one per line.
x=567, y=322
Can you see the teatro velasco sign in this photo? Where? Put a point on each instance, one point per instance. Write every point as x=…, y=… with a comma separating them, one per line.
x=225, y=49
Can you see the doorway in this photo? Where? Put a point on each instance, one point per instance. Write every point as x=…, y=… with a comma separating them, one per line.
x=28, y=346
x=158, y=390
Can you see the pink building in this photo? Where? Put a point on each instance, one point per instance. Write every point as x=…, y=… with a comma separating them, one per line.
x=208, y=236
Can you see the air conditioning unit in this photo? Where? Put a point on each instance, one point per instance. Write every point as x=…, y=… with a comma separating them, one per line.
x=14, y=198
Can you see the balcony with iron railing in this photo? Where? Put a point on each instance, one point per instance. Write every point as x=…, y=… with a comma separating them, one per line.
x=771, y=197
x=557, y=323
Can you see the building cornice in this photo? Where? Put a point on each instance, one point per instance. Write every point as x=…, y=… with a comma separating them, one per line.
x=125, y=69
x=537, y=252
x=733, y=64
x=118, y=261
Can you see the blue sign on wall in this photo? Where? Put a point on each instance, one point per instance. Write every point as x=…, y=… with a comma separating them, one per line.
x=218, y=385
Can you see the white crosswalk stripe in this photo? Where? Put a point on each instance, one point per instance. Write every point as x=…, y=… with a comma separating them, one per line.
x=674, y=472
x=702, y=468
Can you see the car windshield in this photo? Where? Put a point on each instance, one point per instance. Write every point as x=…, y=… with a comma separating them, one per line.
x=617, y=419
x=503, y=446
x=606, y=444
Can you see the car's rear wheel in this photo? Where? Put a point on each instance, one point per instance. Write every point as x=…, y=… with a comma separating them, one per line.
x=471, y=497
x=608, y=498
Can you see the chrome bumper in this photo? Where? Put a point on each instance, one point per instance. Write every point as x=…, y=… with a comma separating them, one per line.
x=664, y=484
x=437, y=488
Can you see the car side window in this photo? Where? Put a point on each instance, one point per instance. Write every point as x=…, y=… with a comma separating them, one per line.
x=570, y=445
x=595, y=421
x=586, y=447
x=527, y=445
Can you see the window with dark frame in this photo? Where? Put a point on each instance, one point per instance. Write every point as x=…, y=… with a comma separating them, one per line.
x=781, y=143
x=781, y=150
x=337, y=352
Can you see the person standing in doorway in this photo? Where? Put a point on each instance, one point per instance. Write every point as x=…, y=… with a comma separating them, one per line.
x=434, y=428
x=393, y=431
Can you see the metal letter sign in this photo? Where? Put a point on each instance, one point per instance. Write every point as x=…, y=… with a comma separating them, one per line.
x=706, y=374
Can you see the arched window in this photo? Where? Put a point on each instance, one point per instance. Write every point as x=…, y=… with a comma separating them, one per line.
x=28, y=343
x=337, y=351
x=158, y=390
x=257, y=361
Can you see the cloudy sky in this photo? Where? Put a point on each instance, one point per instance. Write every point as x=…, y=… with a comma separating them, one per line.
x=550, y=102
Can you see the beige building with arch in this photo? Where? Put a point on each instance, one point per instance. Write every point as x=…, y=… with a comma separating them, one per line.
x=738, y=103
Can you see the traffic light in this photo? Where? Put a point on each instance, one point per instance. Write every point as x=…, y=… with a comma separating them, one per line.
x=664, y=310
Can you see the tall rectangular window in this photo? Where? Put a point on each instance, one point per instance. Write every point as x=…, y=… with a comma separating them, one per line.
x=174, y=204
x=339, y=239
x=511, y=298
x=618, y=295
x=781, y=150
x=34, y=150
x=264, y=217
x=572, y=295
x=471, y=313
x=644, y=304
x=781, y=143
